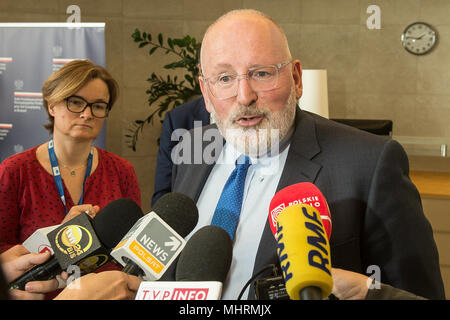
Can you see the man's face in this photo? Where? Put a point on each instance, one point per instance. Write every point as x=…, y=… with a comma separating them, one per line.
x=234, y=46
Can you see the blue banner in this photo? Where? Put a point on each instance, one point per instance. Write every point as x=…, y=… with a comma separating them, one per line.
x=29, y=53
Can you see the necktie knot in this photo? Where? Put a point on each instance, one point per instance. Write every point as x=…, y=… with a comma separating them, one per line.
x=243, y=162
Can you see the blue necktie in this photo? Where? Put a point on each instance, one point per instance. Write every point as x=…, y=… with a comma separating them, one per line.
x=229, y=206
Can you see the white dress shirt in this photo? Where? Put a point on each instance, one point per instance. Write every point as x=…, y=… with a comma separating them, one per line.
x=260, y=186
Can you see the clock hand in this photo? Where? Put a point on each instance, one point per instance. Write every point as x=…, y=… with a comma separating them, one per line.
x=415, y=38
x=421, y=36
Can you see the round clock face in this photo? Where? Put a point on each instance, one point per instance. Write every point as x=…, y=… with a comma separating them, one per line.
x=419, y=38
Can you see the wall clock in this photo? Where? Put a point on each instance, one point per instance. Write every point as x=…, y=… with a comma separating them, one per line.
x=419, y=38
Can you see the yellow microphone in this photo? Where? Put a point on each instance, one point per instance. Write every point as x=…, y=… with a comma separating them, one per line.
x=304, y=253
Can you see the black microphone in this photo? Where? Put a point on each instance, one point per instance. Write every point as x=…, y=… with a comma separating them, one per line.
x=206, y=256
x=178, y=211
x=156, y=240
x=85, y=242
x=201, y=269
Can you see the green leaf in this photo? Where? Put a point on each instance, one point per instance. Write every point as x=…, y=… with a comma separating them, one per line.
x=143, y=44
x=170, y=43
x=152, y=50
x=178, y=42
x=189, y=78
x=136, y=36
x=160, y=39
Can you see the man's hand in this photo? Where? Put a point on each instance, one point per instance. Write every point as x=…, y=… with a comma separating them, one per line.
x=348, y=285
x=17, y=261
x=108, y=285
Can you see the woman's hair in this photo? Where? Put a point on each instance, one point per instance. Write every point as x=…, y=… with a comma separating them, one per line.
x=70, y=79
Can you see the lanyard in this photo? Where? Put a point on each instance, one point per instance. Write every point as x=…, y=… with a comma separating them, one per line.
x=57, y=174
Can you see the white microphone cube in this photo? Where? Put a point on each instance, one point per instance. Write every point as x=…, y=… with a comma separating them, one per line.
x=38, y=241
x=152, y=244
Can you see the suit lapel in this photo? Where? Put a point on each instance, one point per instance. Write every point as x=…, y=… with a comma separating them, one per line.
x=198, y=155
x=298, y=168
x=304, y=146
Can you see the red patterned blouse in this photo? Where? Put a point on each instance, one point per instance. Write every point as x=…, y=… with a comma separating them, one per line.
x=29, y=199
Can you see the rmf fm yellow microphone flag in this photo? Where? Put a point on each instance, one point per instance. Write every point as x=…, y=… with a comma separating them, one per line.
x=303, y=250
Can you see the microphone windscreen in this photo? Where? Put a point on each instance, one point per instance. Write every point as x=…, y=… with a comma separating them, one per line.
x=304, y=250
x=206, y=256
x=115, y=220
x=178, y=211
x=304, y=192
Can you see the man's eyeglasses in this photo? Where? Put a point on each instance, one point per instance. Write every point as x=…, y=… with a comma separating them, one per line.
x=260, y=78
x=77, y=104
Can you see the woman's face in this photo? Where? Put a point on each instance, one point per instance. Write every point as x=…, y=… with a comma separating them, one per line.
x=82, y=125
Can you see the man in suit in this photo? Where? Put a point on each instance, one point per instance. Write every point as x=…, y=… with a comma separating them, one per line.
x=184, y=116
x=250, y=84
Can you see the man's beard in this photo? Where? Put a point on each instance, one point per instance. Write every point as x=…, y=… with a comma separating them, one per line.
x=266, y=136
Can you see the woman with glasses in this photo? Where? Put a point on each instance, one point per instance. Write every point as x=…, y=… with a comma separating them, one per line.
x=53, y=182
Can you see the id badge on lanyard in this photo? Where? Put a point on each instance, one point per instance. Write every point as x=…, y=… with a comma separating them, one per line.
x=57, y=173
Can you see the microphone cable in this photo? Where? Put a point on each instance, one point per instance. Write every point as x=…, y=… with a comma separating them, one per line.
x=270, y=266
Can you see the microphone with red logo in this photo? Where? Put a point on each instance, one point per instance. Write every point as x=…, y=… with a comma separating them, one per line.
x=155, y=241
x=274, y=288
x=201, y=269
x=304, y=192
x=85, y=242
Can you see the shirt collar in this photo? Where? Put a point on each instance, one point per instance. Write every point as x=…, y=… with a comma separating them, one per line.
x=267, y=163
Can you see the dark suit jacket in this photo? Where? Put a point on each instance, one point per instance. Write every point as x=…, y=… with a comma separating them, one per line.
x=376, y=211
x=182, y=117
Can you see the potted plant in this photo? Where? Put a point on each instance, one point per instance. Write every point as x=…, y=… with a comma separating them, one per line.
x=166, y=93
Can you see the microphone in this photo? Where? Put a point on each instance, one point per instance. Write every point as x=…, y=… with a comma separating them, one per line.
x=274, y=287
x=84, y=242
x=298, y=193
x=202, y=267
x=38, y=241
x=206, y=257
x=154, y=242
x=304, y=253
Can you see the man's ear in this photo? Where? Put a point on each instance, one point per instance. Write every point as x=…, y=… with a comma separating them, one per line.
x=205, y=93
x=297, y=75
